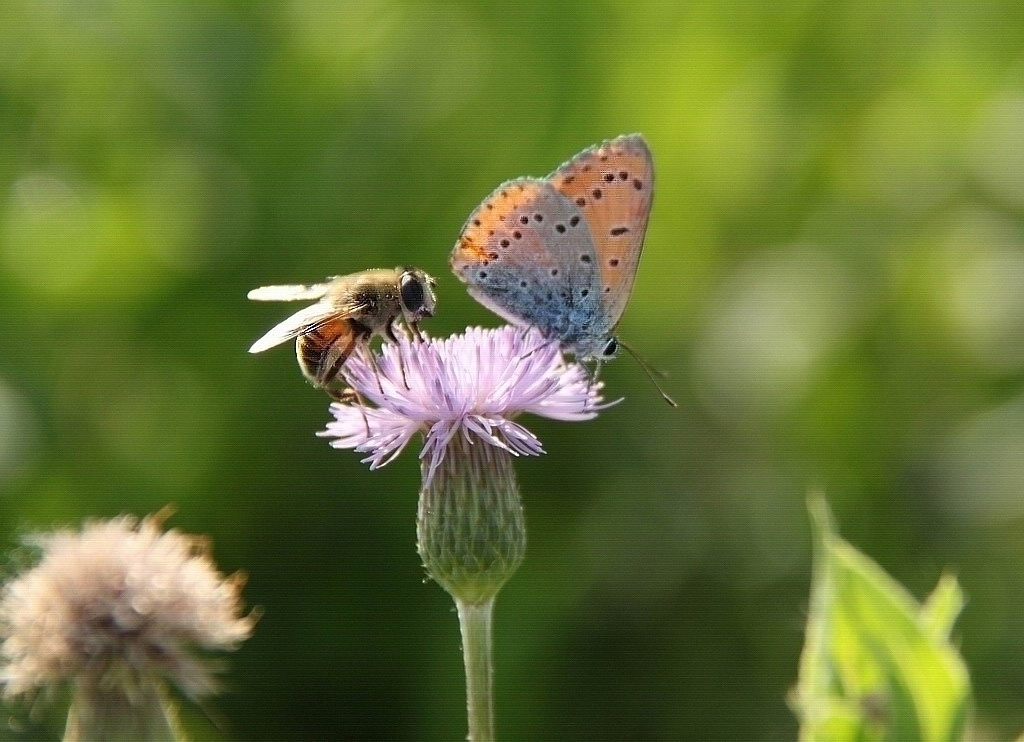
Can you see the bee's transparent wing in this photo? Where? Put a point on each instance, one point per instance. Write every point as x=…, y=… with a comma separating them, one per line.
x=303, y=321
x=290, y=292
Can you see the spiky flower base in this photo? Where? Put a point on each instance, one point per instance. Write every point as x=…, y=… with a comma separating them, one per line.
x=472, y=538
x=471, y=529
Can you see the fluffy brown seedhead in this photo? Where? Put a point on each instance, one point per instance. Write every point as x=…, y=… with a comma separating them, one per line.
x=121, y=601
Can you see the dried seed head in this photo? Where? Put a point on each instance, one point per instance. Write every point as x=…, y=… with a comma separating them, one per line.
x=120, y=602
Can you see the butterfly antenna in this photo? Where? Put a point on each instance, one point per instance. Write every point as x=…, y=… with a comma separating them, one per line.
x=652, y=373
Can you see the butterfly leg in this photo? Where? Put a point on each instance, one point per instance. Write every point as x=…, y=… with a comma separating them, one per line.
x=592, y=380
x=536, y=347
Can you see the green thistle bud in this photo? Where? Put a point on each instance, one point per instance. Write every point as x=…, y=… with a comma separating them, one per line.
x=471, y=529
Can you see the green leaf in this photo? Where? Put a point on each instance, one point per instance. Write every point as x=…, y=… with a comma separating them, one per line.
x=876, y=664
x=943, y=607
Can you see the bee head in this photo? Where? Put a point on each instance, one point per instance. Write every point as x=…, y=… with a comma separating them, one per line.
x=416, y=292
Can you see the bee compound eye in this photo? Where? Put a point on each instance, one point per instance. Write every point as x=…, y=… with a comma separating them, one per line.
x=413, y=295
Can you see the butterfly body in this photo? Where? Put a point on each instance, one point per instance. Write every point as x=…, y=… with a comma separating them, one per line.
x=560, y=253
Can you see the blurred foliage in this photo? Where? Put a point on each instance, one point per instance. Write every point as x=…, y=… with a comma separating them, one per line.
x=877, y=665
x=834, y=278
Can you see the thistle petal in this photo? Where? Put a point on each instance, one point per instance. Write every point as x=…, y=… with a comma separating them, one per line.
x=472, y=384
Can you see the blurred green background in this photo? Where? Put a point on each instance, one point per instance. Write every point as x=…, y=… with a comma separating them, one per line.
x=834, y=278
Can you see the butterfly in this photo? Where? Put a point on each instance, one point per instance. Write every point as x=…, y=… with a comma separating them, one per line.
x=560, y=253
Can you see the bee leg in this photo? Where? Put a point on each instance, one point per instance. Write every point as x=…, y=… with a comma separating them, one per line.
x=401, y=367
x=394, y=337
x=362, y=409
x=348, y=396
x=333, y=359
x=376, y=369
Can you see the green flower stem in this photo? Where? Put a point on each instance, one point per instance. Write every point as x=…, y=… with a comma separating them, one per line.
x=102, y=711
x=475, y=623
x=472, y=538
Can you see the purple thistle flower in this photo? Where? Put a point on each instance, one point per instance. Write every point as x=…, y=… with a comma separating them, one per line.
x=472, y=385
x=463, y=393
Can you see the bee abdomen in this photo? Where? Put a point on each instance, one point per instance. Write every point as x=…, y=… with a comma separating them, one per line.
x=323, y=351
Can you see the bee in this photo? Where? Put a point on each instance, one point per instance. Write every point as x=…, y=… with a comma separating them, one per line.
x=349, y=312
